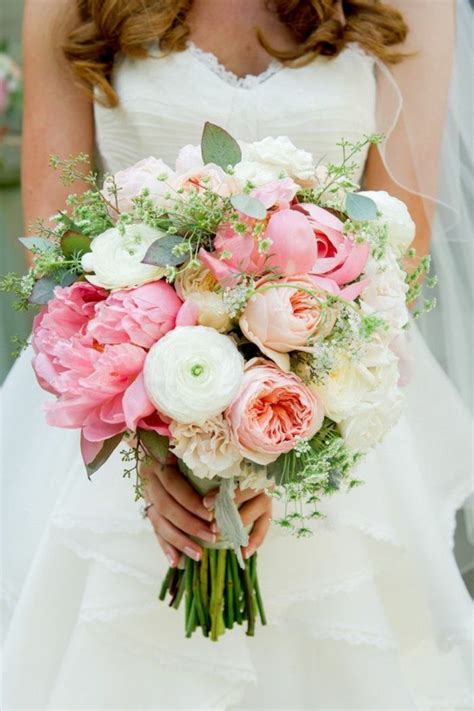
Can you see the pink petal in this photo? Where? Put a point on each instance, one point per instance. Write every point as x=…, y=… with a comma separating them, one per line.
x=226, y=276
x=89, y=450
x=188, y=314
x=136, y=403
x=354, y=264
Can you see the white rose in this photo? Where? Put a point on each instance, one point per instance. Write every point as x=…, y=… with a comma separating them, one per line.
x=372, y=421
x=364, y=378
x=132, y=181
x=271, y=158
x=193, y=373
x=401, y=228
x=386, y=292
x=207, y=449
x=116, y=259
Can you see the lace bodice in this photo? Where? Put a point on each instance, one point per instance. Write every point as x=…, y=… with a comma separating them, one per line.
x=165, y=100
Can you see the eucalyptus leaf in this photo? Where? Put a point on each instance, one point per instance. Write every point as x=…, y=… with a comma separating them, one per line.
x=74, y=244
x=39, y=243
x=43, y=291
x=67, y=277
x=218, y=146
x=156, y=444
x=108, y=447
x=160, y=252
x=69, y=222
x=249, y=206
x=360, y=207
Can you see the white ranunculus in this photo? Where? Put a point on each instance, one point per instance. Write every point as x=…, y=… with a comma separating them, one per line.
x=386, y=292
x=271, y=158
x=371, y=422
x=116, y=259
x=401, y=228
x=364, y=378
x=207, y=449
x=193, y=373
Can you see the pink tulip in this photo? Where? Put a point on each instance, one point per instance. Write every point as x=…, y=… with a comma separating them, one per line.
x=271, y=412
x=140, y=316
x=339, y=258
x=293, y=248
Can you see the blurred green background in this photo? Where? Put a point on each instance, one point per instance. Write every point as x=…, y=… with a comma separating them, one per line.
x=12, y=254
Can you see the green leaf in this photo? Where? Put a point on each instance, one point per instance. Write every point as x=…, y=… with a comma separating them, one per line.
x=156, y=444
x=249, y=206
x=160, y=252
x=74, y=244
x=43, y=291
x=66, y=220
x=67, y=277
x=108, y=446
x=38, y=243
x=360, y=207
x=218, y=146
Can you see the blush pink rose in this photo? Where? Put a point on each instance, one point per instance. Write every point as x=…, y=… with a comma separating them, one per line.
x=271, y=412
x=207, y=177
x=278, y=193
x=100, y=389
x=281, y=318
x=293, y=248
x=132, y=181
x=339, y=258
x=65, y=316
x=140, y=316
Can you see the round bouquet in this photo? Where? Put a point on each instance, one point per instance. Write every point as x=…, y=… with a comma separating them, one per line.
x=244, y=312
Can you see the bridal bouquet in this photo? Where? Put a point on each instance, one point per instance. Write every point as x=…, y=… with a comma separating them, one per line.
x=244, y=312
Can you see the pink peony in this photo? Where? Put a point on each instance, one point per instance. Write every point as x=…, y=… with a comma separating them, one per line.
x=271, y=412
x=132, y=181
x=339, y=258
x=140, y=316
x=101, y=389
x=65, y=316
x=281, y=318
x=293, y=249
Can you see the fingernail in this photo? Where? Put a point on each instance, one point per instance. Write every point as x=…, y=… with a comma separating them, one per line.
x=209, y=502
x=192, y=553
x=171, y=559
x=248, y=552
x=214, y=528
x=207, y=535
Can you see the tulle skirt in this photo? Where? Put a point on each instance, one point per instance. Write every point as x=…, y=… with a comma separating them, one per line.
x=369, y=613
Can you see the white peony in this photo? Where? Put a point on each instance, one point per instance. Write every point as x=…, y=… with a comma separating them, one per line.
x=207, y=449
x=271, y=158
x=371, y=422
x=401, y=228
x=116, y=259
x=386, y=292
x=193, y=373
x=355, y=381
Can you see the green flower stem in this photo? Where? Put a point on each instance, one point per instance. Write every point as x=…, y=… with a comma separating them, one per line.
x=229, y=593
x=197, y=598
x=191, y=621
x=212, y=580
x=204, y=574
x=176, y=601
x=166, y=584
x=216, y=615
x=237, y=588
x=258, y=596
x=188, y=571
x=249, y=600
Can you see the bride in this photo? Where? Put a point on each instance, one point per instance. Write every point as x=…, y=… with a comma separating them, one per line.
x=369, y=613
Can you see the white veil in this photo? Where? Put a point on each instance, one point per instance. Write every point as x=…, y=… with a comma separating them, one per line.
x=425, y=110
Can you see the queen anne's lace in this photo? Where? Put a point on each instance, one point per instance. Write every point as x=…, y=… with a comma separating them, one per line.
x=247, y=82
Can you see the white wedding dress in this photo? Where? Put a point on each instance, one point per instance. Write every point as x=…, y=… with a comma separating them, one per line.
x=369, y=613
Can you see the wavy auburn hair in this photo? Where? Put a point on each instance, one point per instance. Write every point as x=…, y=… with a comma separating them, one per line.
x=320, y=27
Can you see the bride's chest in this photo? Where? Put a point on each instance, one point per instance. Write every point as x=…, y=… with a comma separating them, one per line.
x=164, y=102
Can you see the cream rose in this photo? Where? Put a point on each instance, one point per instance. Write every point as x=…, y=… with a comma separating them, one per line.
x=371, y=422
x=198, y=285
x=385, y=293
x=130, y=182
x=116, y=259
x=193, y=373
x=401, y=228
x=207, y=449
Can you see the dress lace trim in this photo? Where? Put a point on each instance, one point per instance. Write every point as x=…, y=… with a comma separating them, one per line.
x=247, y=82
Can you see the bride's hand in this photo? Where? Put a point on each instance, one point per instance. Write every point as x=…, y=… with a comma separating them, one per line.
x=177, y=510
x=255, y=508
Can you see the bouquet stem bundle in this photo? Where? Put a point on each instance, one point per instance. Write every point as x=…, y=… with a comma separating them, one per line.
x=217, y=593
